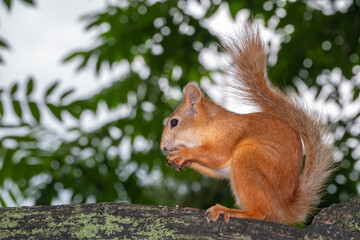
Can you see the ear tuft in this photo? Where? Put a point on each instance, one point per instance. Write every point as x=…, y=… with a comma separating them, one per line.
x=192, y=94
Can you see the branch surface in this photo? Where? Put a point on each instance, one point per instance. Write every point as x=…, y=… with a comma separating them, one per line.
x=131, y=221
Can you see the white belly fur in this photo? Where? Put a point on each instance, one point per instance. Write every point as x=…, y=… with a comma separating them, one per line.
x=225, y=172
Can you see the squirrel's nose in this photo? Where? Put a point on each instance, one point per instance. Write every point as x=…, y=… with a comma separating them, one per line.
x=164, y=149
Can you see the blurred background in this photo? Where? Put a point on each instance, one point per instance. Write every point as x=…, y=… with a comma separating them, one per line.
x=87, y=86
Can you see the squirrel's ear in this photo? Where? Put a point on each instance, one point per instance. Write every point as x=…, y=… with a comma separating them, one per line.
x=193, y=95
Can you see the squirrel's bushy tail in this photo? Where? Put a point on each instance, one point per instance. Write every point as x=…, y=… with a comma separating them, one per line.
x=248, y=68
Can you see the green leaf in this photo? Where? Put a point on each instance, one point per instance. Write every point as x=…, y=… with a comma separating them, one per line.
x=2, y=202
x=234, y=7
x=73, y=55
x=3, y=43
x=13, y=89
x=356, y=93
x=318, y=91
x=56, y=111
x=29, y=87
x=98, y=65
x=34, y=111
x=11, y=194
x=8, y=3
x=212, y=10
x=7, y=167
x=65, y=94
x=1, y=109
x=30, y=2
x=51, y=89
x=17, y=108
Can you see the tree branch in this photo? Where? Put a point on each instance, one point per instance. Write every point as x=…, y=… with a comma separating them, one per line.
x=130, y=221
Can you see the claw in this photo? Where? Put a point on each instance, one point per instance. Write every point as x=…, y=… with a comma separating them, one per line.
x=180, y=169
x=175, y=160
x=170, y=164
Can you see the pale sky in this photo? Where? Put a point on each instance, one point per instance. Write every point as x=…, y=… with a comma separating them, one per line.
x=40, y=37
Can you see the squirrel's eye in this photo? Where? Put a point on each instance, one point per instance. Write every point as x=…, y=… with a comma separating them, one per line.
x=174, y=122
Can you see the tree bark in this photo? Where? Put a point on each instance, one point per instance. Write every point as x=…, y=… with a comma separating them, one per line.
x=130, y=221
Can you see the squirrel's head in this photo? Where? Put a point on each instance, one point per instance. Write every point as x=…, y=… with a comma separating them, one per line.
x=180, y=129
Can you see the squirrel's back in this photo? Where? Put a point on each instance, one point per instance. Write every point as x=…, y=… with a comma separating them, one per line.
x=250, y=82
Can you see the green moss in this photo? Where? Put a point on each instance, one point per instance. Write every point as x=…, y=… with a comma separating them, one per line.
x=88, y=225
x=157, y=230
x=191, y=237
x=43, y=232
x=112, y=224
x=318, y=237
x=7, y=222
x=354, y=225
x=85, y=224
x=10, y=219
x=176, y=220
x=242, y=237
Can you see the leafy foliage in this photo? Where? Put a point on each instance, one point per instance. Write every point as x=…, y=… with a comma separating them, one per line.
x=120, y=159
x=3, y=44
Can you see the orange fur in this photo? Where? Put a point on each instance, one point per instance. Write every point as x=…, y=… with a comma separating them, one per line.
x=260, y=153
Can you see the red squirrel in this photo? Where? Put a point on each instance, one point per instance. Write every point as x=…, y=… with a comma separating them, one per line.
x=261, y=153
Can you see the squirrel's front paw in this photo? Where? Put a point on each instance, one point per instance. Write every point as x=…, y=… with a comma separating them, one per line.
x=177, y=158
